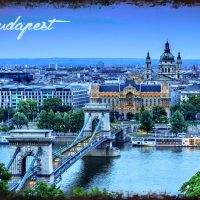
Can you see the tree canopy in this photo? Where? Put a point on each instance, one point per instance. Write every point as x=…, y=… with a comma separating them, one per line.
x=19, y=119
x=158, y=114
x=5, y=176
x=6, y=113
x=29, y=108
x=178, y=124
x=146, y=120
x=55, y=104
x=59, y=122
x=189, y=108
x=191, y=188
x=42, y=190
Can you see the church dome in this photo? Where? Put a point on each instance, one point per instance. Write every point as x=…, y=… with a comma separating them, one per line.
x=167, y=55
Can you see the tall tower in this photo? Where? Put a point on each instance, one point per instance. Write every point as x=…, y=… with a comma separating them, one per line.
x=167, y=65
x=179, y=66
x=148, y=68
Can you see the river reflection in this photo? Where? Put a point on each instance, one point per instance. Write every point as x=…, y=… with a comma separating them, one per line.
x=138, y=169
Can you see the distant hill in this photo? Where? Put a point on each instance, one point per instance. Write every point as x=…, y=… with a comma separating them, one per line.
x=87, y=61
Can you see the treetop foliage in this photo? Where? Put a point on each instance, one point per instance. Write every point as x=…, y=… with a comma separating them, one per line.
x=178, y=124
x=5, y=176
x=191, y=188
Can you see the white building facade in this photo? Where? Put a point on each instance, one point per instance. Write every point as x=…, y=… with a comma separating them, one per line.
x=74, y=95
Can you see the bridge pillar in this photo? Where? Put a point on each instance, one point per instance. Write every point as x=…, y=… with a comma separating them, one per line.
x=28, y=141
x=94, y=112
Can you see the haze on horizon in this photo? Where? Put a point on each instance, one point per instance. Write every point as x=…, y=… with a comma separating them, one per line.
x=120, y=31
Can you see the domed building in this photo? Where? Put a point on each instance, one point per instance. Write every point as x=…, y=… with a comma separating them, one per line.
x=168, y=68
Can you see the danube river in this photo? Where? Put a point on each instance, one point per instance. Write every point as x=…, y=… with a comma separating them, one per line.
x=137, y=170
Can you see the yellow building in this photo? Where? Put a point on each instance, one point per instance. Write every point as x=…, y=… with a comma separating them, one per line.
x=127, y=98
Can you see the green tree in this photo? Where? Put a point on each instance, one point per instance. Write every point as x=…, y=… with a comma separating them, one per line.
x=2, y=114
x=137, y=116
x=42, y=190
x=51, y=119
x=55, y=104
x=191, y=188
x=46, y=120
x=6, y=113
x=42, y=122
x=29, y=108
x=93, y=192
x=65, y=108
x=19, y=119
x=163, y=119
x=5, y=128
x=189, y=110
x=5, y=176
x=142, y=109
x=66, y=122
x=146, y=120
x=178, y=124
x=174, y=108
x=58, y=120
x=195, y=100
x=157, y=112
x=76, y=120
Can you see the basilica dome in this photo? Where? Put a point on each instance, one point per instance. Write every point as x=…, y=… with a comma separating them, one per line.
x=167, y=55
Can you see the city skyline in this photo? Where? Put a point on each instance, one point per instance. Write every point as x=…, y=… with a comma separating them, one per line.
x=121, y=31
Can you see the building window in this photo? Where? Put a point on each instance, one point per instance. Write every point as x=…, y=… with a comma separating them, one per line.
x=113, y=102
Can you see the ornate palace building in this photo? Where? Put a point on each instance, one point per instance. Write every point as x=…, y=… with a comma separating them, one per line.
x=168, y=68
x=128, y=97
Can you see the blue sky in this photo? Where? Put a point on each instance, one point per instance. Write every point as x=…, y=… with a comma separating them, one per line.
x=120, y=31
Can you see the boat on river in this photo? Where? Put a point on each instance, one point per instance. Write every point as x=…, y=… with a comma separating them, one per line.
x=3, y=140
x=166, y=142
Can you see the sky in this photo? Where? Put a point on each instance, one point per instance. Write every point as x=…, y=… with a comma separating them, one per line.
x=118, y=31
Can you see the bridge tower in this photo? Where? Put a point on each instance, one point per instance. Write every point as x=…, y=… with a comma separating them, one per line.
x=95, y=112
x=31, y=155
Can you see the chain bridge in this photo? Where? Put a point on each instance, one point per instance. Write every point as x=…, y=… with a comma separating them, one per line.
x=32, y=159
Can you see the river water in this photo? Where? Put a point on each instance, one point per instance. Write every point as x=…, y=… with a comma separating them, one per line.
x=137, y=170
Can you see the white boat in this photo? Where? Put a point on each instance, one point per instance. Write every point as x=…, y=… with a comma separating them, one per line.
x=166, y=142
x=3, y=140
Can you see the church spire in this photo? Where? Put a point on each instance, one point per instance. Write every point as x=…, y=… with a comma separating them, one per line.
x=148, y=68
x=167, y=49
x=179, y=56
x=148, y=56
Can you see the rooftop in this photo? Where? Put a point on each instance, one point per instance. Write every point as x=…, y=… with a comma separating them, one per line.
x=119, y=87
x=192, y=88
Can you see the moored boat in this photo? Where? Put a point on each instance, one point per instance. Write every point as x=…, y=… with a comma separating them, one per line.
x=3, y=140
x=166, y=142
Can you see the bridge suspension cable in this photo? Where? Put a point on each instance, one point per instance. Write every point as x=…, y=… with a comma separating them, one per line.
x=91, y=144
x=97, y=129
x=13, y=158
x=58, y=153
